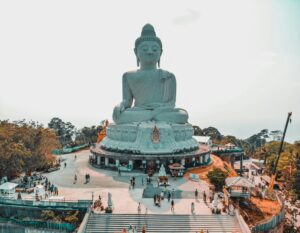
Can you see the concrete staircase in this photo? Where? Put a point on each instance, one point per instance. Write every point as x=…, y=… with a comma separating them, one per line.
x=158, y=223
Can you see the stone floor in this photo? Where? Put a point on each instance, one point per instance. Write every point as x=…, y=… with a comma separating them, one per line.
x=124, y=198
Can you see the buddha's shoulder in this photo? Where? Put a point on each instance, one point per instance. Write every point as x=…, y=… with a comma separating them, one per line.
x=129, y=74
x=167, y=74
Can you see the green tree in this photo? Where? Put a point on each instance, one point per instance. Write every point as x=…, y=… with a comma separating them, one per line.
x=64, y=130
x=197, y=130
x=89, y=134
x=217, y=177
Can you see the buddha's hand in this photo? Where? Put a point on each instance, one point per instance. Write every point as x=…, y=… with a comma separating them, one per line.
x=118, y=110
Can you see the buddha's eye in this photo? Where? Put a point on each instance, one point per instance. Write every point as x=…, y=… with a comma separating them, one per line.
x=154, y=48
x=145, y=48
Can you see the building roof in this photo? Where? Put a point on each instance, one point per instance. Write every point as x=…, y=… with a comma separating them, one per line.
x=268, y=179
x=176, y=166
x=239, y=181
x=202, y=139
x=230, y=144
x=8, y=186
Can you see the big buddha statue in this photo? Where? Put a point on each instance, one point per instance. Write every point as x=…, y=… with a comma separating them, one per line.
x=147, y=121
x=152, y=89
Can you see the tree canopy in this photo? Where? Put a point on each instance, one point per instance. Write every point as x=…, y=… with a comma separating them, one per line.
x=64, y=130
x=217, y=177
x=25, y=147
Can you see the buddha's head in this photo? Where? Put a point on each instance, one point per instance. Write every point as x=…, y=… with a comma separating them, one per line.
x=148, y=47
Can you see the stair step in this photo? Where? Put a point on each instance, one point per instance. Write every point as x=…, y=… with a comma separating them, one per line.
x=112, y=223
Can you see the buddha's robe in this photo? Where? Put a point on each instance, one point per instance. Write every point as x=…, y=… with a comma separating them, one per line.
x=154, y=96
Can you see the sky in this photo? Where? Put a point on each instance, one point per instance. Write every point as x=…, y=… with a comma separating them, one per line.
x=236, y=62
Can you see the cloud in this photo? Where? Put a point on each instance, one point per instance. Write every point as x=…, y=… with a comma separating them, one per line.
x=189, y=17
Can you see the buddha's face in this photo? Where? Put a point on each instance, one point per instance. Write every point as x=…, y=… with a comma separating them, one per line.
x=148, y=52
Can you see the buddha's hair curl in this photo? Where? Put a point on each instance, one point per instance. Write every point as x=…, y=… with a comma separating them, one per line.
x=148, y=34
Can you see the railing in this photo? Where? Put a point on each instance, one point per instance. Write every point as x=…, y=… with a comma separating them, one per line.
x=84, y=222
x=239, y=194
x=44, y=224
x=225, y=151
x=80, y=204
x=69, y=150
x=271, y=223
x=195, y=164
x=241, y=221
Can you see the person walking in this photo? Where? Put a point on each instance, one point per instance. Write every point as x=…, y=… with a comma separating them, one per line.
x=169, y=196
x=142, y=181
x=172, y=205
x=119, y=171
x=192, y=208
x=139, y=208
x=196, y=194
x=131, y=180
x=204, y=197
x=65, y=164
x=173, y=193
x=162, y=195
x=75, y=157
x=75, y=179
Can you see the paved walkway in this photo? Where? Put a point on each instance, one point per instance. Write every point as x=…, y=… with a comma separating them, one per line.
x=125, y=200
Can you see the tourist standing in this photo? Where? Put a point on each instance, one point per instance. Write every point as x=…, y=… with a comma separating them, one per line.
x=65, y=164
x=172, y=205
x=196, y=194
x=204, y=197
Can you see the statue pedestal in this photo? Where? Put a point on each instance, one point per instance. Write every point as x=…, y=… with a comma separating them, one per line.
x=150, y=138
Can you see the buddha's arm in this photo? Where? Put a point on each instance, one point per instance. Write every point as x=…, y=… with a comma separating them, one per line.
x=127, y=94
x=169, y=92
x=169, y=97
x=172, y=99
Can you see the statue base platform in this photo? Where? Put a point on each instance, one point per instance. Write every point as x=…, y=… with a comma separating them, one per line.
x=150, y=138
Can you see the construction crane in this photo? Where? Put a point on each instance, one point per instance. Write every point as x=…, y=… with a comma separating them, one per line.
x=274, y=172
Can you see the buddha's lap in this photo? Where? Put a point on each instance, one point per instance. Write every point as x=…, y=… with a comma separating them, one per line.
x=172, y=115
